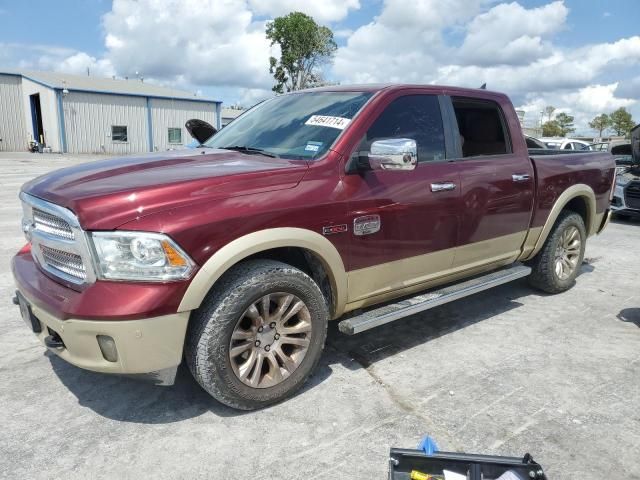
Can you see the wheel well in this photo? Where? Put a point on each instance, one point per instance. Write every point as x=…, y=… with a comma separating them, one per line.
x=579, y=206
x=304, y=260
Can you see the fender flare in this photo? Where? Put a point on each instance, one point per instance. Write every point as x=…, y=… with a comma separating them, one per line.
x=262, y=240
x=574, y=191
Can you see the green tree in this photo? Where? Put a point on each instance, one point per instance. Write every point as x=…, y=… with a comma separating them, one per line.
x=600, y=123
x=551, y=129
x=304, y=47
x=565, y=122
x=548, y=111
x=621, y=121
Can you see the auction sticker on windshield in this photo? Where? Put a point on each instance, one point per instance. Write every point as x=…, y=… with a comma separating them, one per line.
x=326, y=121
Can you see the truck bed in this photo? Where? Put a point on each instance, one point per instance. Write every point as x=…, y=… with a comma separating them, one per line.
x=551, y=151
x=558, y=170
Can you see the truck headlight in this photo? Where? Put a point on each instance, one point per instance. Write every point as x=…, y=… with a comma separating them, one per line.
x=141, y=256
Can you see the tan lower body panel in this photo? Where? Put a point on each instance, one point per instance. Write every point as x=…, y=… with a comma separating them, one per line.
x=530, y=241
x=599, y=223
x=144, y=346
x=379, y=283
x=606, y=218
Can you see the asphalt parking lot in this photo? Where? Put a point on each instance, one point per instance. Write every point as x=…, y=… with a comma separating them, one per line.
x=504, y=372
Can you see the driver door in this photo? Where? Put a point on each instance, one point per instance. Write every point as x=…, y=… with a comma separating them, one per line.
x=416, y=210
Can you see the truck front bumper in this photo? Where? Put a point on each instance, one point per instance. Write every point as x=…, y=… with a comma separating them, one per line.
x=619, y=204
x=152, y=344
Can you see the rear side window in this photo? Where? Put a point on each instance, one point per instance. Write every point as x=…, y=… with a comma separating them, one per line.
x=481, y=127
x=416, y=117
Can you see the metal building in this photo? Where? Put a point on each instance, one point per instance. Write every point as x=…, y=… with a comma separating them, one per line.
x=83, y=114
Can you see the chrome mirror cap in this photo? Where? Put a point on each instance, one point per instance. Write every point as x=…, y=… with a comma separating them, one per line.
x=393, y=154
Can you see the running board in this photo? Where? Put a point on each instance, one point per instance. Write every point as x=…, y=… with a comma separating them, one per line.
x=419, y=303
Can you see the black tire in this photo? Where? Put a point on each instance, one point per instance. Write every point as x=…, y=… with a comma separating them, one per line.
x=207, y=348
x=543, y=275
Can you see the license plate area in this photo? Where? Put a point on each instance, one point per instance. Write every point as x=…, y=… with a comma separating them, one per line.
x=27, y=315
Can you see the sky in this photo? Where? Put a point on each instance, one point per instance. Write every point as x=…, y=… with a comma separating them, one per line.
x=581, y=56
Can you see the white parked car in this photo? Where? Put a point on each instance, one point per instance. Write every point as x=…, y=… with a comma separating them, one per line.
x=558, y=143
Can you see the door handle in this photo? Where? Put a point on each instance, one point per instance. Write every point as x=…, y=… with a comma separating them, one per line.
x=520, y=177
x=443, y=186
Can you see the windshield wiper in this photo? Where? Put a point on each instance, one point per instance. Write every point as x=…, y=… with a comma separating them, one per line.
x=250, y=150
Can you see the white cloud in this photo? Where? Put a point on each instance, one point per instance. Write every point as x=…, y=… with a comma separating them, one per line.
x=510, y=34
x=597, y=98
x=77, y=63
x=403, y=43
x=322, y=11
x=584, y=104
x=343, y=33
x=220, y=46
x=558, y=70
x=206, y=42
x=506, y=45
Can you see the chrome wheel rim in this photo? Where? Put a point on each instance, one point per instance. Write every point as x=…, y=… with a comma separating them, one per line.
x=270, y=340
x=568, y=253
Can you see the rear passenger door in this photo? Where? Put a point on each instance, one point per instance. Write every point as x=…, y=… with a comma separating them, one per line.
x=417, y=209
x=497, y=185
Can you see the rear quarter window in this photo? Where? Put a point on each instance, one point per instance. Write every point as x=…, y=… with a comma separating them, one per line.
x=481, y=126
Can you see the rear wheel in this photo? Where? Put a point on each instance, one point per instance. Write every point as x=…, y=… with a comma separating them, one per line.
x=556, y=266
x=258, y=335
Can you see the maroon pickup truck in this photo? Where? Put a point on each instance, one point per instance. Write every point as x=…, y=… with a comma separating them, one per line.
x=363, y=203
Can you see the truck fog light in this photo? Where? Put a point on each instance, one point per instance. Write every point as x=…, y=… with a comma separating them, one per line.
x=108, y=348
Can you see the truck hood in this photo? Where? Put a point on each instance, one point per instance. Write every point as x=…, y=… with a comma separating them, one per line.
x=108, y=193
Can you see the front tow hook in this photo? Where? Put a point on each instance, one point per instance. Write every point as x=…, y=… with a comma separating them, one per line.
x=53, y=341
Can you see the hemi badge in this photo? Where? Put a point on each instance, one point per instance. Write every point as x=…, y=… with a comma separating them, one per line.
x=366, y=225
x=330, y=230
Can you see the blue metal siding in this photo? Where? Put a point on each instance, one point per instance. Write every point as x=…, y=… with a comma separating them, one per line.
x=149, y=125
x=218, y=116
x=61, y=126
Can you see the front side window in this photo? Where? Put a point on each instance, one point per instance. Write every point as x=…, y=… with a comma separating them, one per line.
x=119, y=134
x=481, y=127
x=298, y=125
x=175, y=135
x=416, y=117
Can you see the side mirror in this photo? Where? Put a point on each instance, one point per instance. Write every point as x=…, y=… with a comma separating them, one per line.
x=200, y=130
x=393, y=154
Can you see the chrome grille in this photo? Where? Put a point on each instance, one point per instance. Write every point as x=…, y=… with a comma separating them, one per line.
x=52, y=224
x=66, y=262
x=59, y=245
x=632, y=195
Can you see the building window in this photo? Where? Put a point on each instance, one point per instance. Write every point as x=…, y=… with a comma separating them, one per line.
x=175, y=135
x=119, y=134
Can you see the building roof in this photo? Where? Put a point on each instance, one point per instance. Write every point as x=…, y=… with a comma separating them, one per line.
x=232, y=112
x=95, y=84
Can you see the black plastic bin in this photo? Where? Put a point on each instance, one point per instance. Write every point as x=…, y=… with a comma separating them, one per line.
x=474, y=467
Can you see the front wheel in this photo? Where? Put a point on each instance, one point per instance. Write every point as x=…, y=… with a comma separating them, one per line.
x=258, y=335
x=556, y=266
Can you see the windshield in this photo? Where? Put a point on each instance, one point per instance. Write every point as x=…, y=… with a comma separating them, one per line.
x=300, y=125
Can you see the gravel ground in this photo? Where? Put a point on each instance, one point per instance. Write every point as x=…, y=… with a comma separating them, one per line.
x=504, y=372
